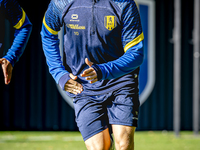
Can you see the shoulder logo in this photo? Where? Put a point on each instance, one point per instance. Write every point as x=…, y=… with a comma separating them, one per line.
x=110, y=22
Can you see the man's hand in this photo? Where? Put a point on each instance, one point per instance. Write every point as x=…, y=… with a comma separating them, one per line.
x=73, y=86
x=7, y=70
x=89, y=73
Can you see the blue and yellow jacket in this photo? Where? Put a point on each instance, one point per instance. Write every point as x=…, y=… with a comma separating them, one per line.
x=107, y=32
x=19, y=20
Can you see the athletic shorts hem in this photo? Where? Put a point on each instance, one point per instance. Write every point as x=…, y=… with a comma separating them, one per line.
x=94, y=133
x=131, y=124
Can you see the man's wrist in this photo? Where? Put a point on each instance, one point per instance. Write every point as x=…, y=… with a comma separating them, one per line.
x=9, y=60
x=98, y=71
x=63, y=80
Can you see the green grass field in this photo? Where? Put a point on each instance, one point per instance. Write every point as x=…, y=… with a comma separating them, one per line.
x=150, y=140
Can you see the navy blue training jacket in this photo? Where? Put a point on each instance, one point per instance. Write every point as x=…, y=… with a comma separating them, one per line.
x=107, y=32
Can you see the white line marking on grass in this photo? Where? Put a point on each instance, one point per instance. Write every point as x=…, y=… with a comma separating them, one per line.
x=7, y=137
x=73, y=138
x=40, y=138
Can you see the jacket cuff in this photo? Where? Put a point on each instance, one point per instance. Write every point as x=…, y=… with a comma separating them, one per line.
x=63, y=80
x=98, y=71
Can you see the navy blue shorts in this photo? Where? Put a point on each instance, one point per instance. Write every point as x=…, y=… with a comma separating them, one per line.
x=95, y=113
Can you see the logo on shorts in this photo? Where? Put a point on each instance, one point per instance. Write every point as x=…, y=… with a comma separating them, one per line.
x=110, y=22
x=136, y=112
x=134, y=118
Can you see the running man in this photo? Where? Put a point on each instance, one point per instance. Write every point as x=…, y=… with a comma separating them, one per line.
x=103, y=43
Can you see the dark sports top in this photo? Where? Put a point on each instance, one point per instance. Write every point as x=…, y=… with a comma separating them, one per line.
x=107, y=32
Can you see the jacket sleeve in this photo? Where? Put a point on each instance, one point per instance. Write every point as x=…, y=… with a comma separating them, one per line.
x=19, y=20
x=132, y=40
x=50, y=42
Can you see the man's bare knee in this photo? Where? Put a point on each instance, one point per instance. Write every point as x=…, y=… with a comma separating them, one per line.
x=124, y=137
x=125, y=145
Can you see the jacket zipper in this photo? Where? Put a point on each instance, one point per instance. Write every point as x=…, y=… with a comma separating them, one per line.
x=93, y=21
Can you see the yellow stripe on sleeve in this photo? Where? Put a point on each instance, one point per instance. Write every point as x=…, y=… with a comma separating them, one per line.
x=21, y=21
x=134, y=42
x=48, y=28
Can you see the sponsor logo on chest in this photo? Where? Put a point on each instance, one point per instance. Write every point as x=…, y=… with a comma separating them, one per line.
x=74, y=23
